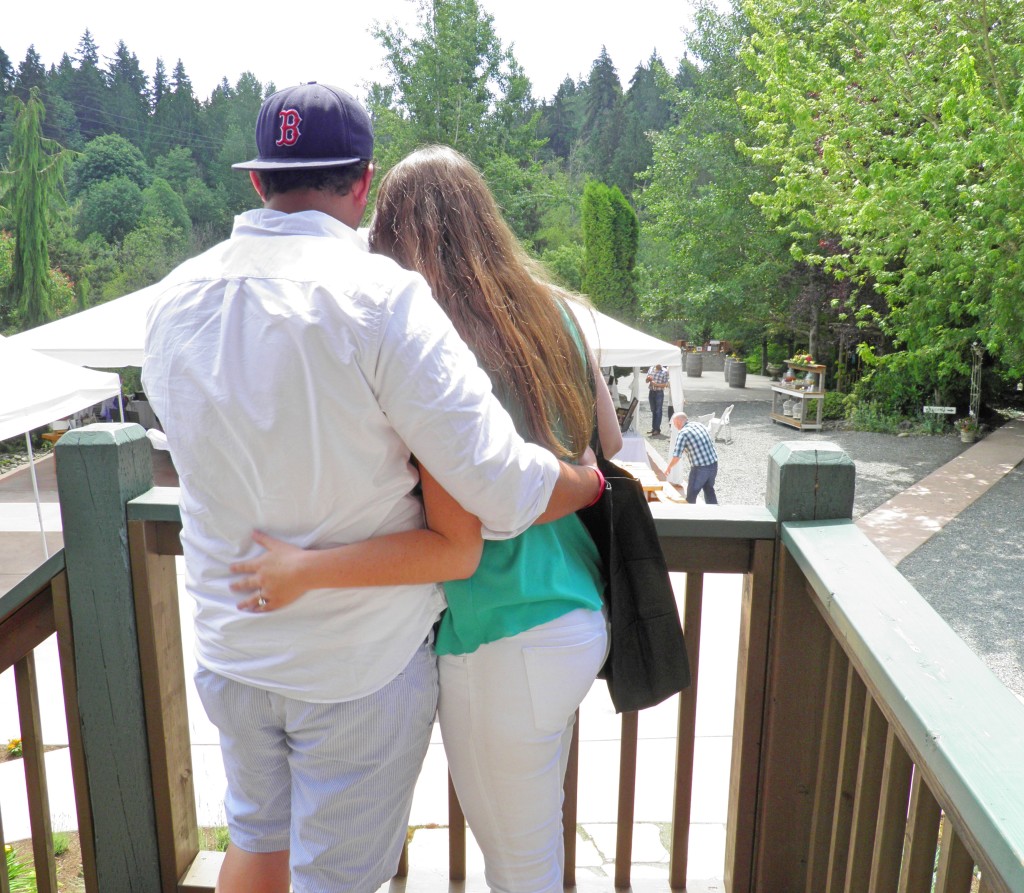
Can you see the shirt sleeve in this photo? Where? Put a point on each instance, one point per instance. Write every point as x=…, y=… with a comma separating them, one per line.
x=439, y=401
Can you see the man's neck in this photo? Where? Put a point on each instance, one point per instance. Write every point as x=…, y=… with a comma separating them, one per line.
x=340, y=207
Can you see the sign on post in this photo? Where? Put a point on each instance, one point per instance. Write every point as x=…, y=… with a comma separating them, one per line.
x=941, y=410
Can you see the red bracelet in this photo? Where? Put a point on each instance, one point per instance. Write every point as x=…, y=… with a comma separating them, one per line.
x=600, y=490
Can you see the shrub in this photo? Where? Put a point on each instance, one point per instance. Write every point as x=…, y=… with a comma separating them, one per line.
x=901, y=383
x=835, y=406
x=871, y=417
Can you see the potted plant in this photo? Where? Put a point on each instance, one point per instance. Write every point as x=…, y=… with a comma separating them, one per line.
x=968, y=428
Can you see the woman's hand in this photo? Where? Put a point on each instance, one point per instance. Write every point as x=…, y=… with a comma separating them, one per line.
x=274, y=578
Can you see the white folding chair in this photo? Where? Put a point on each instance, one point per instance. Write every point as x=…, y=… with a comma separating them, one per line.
x=706, y=420
x=719, y=427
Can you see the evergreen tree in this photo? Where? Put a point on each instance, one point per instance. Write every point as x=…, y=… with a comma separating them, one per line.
x=176, y=116
x=160, y=87
x=560, y=120
x=233, y=189
x=129, y=95
x=31, y=73
x=6, y=74
x=610, y=238
x=645, y=110
x=602, y=118
x=86, y=90
x=31, y=182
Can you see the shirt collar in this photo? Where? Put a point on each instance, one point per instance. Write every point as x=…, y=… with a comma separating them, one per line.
x=264, y=222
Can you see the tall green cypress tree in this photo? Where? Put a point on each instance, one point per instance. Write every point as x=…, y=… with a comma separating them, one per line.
x=34, y=176
x=610, y=237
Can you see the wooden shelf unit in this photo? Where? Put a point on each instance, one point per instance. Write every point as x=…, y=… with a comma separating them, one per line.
x=808, y=401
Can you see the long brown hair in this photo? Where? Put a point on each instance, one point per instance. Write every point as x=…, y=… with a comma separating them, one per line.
x=435, y=215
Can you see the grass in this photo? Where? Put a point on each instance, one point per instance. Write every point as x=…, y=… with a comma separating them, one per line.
x=215, y=838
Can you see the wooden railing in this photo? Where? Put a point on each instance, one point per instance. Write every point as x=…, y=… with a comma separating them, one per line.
x=871, y=749
x=31, y=612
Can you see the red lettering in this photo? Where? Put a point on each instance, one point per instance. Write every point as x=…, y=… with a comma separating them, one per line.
x=290, y=120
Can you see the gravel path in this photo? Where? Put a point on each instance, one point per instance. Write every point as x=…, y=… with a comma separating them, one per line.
x=971, y=572
x=886, y=464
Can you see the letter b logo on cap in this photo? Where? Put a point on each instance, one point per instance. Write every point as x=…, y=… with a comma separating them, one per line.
x=290, y=120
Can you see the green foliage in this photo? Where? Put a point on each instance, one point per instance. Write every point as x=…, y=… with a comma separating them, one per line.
x=20, y=875
x=565, y=264
x=898, y=127
x=869, y=417
x=452, y=82
x=61, y=843
x=106, y=158
x=835, y=406
x=710, y=256
x=148, y=253
x=610, y=238
x=28, y=187
x=177, y=167
x=900, y=384
x=112, y=208
x=216, y=838
x=160, y=200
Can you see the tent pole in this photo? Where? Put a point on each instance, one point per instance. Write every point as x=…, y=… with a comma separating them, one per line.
x=120, y=403
x=35, y=490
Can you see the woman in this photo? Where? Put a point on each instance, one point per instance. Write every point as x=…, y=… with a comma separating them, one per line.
x=524, y=635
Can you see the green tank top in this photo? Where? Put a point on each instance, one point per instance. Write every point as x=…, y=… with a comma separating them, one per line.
x=544, y=573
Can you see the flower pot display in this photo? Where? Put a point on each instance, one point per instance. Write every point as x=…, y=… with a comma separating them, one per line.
x=774, y=371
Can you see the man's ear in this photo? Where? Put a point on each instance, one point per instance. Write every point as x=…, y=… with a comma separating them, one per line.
x=361, y=188
x=254, y=178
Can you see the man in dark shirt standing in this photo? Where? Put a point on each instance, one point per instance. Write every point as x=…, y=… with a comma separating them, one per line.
x=657, y=381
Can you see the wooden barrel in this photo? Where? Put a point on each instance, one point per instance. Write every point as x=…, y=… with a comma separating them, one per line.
x=736, y=374
x=694, y=365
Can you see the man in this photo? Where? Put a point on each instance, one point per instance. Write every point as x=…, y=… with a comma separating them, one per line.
x=657, y=381
x=695, y=442
x=294, y=374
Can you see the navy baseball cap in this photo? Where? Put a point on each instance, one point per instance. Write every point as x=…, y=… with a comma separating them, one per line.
x=308, y=126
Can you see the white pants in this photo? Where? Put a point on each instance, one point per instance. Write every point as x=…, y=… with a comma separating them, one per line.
x=506, y=713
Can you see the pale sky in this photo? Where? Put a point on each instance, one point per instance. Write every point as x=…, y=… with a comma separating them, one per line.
x=287, y=43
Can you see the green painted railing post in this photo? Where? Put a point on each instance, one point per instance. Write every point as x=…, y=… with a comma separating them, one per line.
x=808, y=481
x=99, y=468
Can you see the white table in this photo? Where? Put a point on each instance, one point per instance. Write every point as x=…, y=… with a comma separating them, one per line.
x=634, y=448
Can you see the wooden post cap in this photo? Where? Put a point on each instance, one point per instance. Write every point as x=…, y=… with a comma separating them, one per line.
x=810, y=481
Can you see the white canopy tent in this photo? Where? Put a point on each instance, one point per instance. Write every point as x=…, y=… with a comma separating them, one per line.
x=112, y=335
x=617, y=344
x=38, y=390
x=107, y=336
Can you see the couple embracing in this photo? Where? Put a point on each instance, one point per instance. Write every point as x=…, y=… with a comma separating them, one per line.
x=352, y=429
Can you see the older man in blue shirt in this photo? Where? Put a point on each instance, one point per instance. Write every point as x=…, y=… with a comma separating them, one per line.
x=694, y=441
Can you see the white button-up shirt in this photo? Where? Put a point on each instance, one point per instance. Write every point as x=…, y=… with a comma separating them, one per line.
x=293, y=373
